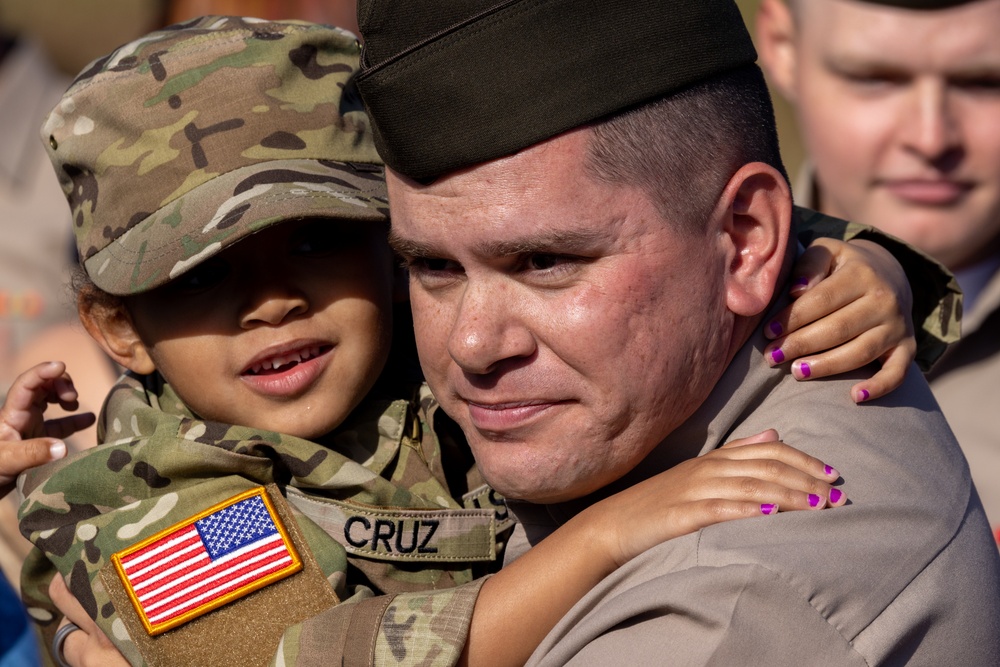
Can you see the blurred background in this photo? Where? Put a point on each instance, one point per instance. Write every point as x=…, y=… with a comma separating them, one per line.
x=74, y=33
x=788, y=131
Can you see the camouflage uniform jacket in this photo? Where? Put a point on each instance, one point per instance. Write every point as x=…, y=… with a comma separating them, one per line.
x=160, y=465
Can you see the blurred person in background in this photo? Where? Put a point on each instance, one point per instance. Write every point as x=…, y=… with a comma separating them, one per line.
x=34, y=259
x=899, y=106
x=37, y=313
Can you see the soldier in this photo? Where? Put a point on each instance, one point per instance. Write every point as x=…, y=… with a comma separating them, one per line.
x=231, y=216
x=899, y=103
x=591, y=202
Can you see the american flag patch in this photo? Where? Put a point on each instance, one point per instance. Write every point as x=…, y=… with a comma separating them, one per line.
x=206, y=561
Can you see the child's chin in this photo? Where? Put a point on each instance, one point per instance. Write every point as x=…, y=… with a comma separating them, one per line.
x=311, y=431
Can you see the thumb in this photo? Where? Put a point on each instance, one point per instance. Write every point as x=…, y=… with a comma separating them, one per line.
x=815, y=264
x=16, y=457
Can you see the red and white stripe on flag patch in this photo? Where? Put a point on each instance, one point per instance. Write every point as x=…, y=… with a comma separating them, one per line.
x=208, y=560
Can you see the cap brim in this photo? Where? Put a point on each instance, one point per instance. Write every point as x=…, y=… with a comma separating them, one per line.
x=227, y=208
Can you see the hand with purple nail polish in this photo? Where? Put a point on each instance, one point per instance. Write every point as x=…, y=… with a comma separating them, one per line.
x=851, y=307
x=744, y=478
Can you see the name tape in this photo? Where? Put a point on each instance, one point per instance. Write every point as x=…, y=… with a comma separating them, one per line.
x=403, y=534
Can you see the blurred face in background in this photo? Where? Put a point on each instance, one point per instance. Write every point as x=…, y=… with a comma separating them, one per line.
x=900, y=113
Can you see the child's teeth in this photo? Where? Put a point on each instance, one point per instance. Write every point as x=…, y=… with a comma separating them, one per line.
x=277, y=363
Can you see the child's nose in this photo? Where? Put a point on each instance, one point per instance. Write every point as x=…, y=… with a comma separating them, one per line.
x=273, y=304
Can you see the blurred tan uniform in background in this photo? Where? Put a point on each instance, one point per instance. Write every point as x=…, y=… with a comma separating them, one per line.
x=900, y=112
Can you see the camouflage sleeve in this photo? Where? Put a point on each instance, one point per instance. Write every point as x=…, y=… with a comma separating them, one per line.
x=408, y=629
x=937, y=298
x=76, y=540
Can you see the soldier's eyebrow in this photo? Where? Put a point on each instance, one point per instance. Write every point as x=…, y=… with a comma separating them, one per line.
x=553, y=242
x=409, y=248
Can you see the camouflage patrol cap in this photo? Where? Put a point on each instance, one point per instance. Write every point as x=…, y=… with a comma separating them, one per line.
x=183, y=142
x=451, y=84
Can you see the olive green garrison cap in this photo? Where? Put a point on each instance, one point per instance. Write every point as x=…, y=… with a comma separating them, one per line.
x=183, y=142
x=453, y=83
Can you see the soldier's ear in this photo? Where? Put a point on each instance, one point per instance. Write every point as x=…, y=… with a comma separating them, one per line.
x=754, y=213
x=775, y=39
x=108, y=322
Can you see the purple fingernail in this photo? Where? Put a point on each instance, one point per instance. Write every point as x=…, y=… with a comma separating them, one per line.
x=801, y=282
x=864, y=395
x=836, y=495
x=775, y=328
x=813, y=500
x=777, y=356
x=768, y=508
x=831, y=471
x=804, y=369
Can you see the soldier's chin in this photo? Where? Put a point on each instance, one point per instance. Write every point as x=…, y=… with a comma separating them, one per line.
x=544, y=490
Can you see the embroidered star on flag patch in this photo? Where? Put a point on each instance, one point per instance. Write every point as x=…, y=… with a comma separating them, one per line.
x=206, y=561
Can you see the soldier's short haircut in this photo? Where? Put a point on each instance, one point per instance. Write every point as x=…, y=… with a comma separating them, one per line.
x=683, y=148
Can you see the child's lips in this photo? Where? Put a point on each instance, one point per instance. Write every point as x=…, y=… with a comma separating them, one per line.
x=280, y=363
x=287, y=373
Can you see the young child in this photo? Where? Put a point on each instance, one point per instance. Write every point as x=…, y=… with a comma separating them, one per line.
x=230, y=216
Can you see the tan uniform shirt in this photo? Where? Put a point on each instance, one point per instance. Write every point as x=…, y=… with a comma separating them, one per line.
x=906, y=573
x=965, y=382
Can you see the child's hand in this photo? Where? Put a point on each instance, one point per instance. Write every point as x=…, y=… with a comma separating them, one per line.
x=852, y=306
x=26, y=438
x=22, y=416
x=745, y=478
